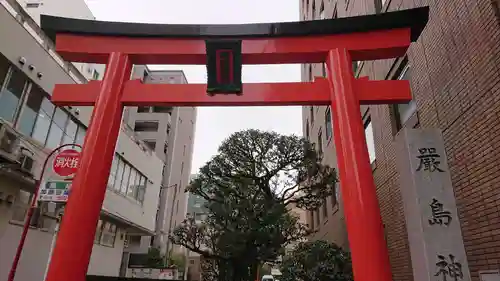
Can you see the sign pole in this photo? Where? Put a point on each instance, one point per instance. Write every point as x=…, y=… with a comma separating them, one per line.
x=29, y=216
x=52, y=244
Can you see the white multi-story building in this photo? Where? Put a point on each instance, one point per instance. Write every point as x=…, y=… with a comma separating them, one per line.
x=169, y=132
x=31, y=126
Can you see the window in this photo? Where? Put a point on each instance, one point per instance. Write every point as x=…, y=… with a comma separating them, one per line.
x=403, y=112
x=370, y=142
x=70, y=132
x=141, y=189
x=38, y=120
x=320, y=143
x=146, y=126
x=132, y=183
x=4, y=69
x=151, y=144
x=60, y=118
x=311, y=112
x=119, y=175
x=355, y=66
x=379, y=6
x=113, y=172
x=98, y=232
x=324, y=207
x=144, y=109
x=126, y=176
x=162, y=109
x=314, y=9
x=10, y=96
x=198, y=217
x=43, y=120
x=191, y=261
x=95, y=75
x=108, y=234
x=80, y=135
x=29, y=113
x=127, y=180
x=328, y=123
x=32, y=5
x=56, y=131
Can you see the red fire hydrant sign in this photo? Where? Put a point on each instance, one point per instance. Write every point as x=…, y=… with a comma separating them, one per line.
x=66, y=162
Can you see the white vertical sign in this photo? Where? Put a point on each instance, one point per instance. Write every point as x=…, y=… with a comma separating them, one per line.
x=434, y=233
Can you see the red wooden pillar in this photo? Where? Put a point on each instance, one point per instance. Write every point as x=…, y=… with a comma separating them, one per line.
x=364, y=224
x=75, y=240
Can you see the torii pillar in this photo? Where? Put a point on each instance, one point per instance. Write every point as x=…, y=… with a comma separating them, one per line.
x=337, y=42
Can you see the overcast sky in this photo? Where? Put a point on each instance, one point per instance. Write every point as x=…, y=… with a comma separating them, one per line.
x=215, y=123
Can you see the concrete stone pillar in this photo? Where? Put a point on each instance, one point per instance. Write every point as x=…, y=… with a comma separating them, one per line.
x=434, y=232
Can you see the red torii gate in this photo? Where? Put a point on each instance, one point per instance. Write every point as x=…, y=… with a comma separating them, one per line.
x=337, y=42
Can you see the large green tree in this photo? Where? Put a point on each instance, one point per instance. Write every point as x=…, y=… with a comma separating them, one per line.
x=249, y=187
x=316, y=261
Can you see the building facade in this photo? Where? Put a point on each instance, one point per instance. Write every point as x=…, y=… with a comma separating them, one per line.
x=31, y=127
x=455, y=78
x=301, y=215
x=169, y=132
x=197, y=210
x=64, y=8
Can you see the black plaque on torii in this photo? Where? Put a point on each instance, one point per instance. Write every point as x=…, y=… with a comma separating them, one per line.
x=224, y=66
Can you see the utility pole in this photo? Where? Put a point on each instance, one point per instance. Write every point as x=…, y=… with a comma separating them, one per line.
x=167, y=252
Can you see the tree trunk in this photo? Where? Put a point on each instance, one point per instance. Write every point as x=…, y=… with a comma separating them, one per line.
x=241, y=272
x=254, y=272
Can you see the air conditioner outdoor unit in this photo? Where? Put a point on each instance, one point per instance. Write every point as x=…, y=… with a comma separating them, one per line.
x=9, y=142
x=27, y=163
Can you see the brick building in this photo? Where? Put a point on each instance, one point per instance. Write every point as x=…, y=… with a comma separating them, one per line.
x=454, y=71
